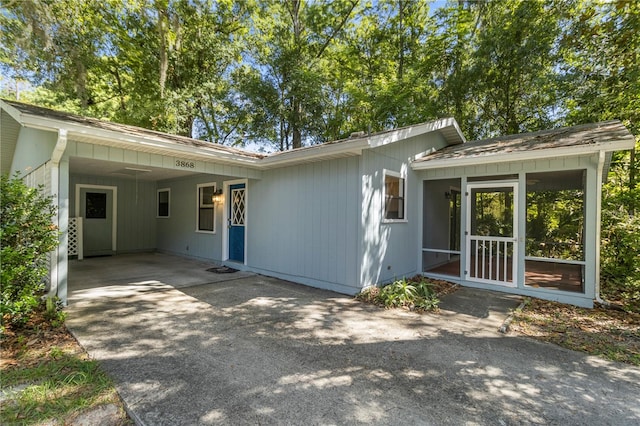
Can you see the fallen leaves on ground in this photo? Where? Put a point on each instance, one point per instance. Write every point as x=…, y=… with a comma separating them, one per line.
x=609, y=333
x=28, y=346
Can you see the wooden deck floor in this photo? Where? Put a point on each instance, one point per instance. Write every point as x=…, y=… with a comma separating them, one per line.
x=559, y=276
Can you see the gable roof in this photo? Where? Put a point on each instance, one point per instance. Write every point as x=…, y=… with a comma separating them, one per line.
x=605, y=136
x=100, y=132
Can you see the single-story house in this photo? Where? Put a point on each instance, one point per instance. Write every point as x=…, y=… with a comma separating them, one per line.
x=519, y=214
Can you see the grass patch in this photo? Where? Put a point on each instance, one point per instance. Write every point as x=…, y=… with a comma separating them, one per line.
x=416, y=294
x=48, y=378
x=607, y=333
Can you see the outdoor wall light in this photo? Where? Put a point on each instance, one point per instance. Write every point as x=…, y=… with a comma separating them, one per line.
x=217, y=196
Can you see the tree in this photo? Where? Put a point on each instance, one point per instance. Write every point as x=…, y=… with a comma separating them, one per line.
x=286, y=68
x=499, y=65
x=387, y=61
x=601, y=81
x=157, y=64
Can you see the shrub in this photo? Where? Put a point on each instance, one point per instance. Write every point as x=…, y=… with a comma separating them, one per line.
x=402, y=293
x=27, y=235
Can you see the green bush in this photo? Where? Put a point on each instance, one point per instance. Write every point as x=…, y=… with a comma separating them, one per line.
x=620, y=235
x=27, y=235
x=620, y=259
x=402, y=293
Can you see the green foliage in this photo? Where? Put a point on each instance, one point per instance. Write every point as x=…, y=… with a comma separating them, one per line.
x=27, y=235
x=53, y=312
x=620, y=249
x=412, y=294
x=555, y=223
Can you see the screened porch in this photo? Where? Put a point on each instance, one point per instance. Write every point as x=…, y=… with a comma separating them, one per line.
x=507, y=231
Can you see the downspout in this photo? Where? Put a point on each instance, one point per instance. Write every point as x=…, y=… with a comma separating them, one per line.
x=56, y=156
x=601, y=158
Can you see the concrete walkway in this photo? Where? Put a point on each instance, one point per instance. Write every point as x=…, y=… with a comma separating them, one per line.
x=187, y=347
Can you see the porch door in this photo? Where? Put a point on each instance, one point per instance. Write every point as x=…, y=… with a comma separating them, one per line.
x=491, y=239
x=96, y=209
x=236, y=218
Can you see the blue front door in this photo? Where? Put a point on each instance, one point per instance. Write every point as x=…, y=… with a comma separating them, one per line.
x=237, y=215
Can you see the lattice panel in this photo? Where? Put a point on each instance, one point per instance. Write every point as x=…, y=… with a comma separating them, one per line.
x=72, y=233
x=237, y=207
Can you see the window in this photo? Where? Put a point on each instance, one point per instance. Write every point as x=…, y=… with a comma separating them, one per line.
x=96, y=205
x=206, y=211
x=393, y=196
x=163, y=202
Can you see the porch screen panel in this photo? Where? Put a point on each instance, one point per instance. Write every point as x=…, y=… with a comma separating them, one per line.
x=555, y=230
x=441, y=237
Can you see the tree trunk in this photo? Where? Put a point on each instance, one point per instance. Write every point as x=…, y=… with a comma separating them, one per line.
x=632, y=179
x=163, y=22
x=400, y=40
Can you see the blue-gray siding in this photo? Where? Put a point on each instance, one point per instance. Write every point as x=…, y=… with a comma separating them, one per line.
x=391, y=250
x=136, y=228
x=33, y=149
x=303, y=224
x=177, y=233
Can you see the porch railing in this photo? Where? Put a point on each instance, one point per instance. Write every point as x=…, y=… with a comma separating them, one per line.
x=491, y=259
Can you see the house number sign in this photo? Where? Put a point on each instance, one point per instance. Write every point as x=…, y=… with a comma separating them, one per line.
x=184, y=164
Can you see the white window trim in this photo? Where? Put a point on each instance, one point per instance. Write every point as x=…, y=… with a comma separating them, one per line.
x=199, y=205
x=402, y=176
x=158, y=203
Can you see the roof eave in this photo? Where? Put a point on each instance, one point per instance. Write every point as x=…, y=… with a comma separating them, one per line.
x=447, y=126
x=124, y=140
x=572, y=151
x=314, y=153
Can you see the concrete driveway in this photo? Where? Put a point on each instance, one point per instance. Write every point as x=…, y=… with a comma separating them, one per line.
x=186, y=346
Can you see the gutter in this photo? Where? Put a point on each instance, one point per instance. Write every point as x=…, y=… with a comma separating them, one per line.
x=56, y=156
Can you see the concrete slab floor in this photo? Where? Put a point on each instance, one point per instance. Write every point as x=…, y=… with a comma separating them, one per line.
x=256, y=350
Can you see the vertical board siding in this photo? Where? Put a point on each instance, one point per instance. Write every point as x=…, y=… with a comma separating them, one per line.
x=40, y=177
x=389, y=250
x=136, y=210
x=564, y=163
x=301, y=217
x=34, y=148
x=177, y=233
x=145, y=159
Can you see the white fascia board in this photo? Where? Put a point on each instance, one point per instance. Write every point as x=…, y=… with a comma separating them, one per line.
x=570, y=151
x=314, y=153
x=123, y=140
x=411, y=131
x=13, y=112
